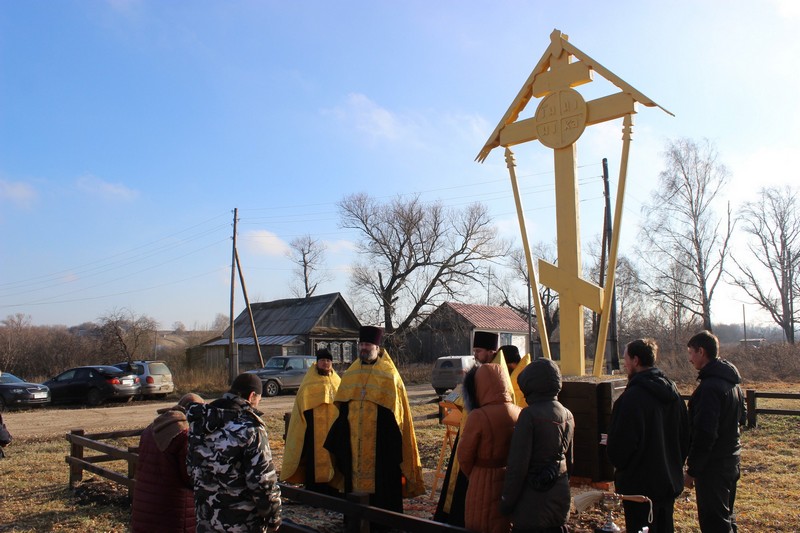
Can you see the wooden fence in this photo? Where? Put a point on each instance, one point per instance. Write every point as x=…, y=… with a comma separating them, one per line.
x=78, y=461
x=358, y=515
x=753, y=410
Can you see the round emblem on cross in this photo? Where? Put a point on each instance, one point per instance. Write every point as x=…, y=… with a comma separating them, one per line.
x=561, y=118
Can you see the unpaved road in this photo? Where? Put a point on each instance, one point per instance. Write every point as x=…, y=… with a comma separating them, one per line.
x=44, y=423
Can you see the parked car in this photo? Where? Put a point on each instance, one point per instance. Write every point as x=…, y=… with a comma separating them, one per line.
x=15, y=392
x=284, y=372
x=448, y=372
x=155, y=376
x=93, y=385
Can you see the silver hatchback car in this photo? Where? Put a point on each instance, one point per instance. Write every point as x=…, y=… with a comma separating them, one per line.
x=155, y=377
x=448, y=372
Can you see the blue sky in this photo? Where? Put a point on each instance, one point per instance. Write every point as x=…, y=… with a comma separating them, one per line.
x=130, y=130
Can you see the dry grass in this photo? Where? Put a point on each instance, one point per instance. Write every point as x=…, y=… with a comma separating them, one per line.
x=34, y=495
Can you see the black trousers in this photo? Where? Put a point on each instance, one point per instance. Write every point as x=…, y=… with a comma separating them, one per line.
x=636, y=516
x=716, y=493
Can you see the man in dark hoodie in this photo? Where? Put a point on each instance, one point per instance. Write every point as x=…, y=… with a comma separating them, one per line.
x=716, y=410
x=648, y=439
x=235, y=482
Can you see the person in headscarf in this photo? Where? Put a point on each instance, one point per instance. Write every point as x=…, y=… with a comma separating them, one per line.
x=483, y=447
x=162, y=496
x=373, y=440
x=235, y=482
x=536, y=494
x=450, y=508
x=305, y=459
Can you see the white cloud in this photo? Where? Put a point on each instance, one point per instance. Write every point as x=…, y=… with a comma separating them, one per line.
x=108, y=191
x=767, y=166
x=367, y=117
x=340, y=246
x=788, y=9
x=18, y=193
x=263, y=242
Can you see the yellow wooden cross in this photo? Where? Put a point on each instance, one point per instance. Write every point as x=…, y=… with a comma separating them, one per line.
x=560, y=119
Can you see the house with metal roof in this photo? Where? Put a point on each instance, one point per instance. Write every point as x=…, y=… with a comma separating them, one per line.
x=292, y=326
x=450, y=328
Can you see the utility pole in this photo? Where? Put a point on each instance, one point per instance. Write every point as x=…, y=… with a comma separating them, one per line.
x=233, y=348
x=612, y=346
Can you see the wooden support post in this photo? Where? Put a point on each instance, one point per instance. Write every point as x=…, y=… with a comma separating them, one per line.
x=286, y=418
x=75, y=450
x=752, y=415
x=132, y=471
x=355, y=523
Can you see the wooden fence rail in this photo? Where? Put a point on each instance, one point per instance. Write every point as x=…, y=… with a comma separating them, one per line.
x=358, y=514
x=753, y=410
x=78, y=461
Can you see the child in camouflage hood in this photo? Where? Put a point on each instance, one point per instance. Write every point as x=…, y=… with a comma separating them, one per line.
x=235, y=482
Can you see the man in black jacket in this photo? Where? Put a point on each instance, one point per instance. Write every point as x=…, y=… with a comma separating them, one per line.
x=648, y=440
x=716, y=410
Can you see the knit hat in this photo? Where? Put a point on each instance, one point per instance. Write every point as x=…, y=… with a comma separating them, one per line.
x=246, y=383
x=324, y=353
x=189, y=398
x=485, y=340
x=370, y=334
x=510, y=354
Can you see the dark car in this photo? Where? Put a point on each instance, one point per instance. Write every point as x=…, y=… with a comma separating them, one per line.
x=93, y=385
x=284, y=372
x=15, y=392
x=155, y=376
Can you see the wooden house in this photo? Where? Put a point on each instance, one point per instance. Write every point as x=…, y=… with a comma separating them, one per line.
x=450, y=328
x=293, y=326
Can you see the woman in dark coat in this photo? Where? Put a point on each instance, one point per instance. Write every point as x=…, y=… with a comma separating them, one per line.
x=162, y=497
x=542, y=437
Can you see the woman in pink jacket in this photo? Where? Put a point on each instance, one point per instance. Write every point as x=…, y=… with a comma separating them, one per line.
x=483, y=446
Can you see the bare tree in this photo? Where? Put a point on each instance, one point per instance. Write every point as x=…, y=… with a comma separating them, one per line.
x=124, y=333
x=15, y=335
x=416, y=254
x=309, y=256
x=683, y=242
x=768, y=275
x=512, y=289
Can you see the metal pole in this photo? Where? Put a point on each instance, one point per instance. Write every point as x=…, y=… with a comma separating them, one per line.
x=233, y=349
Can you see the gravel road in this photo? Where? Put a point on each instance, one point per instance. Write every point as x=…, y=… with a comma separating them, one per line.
x=44, y=423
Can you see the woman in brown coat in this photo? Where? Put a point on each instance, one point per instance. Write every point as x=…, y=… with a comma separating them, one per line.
x=483, y=446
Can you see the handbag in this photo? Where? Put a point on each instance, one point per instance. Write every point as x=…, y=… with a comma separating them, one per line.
x=545, y=479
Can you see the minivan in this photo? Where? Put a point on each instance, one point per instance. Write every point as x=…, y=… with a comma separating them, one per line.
x=448, y=372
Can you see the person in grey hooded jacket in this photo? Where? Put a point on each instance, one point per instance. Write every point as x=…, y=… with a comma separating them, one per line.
x=648, y=440
x=541, y=445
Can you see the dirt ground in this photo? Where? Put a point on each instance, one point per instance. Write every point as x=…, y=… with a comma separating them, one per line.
x=59, y=420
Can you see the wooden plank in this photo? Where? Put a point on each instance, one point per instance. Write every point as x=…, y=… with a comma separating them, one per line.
x=779, y=395
x=571, y=75
x=100, y=471
x=115, y=434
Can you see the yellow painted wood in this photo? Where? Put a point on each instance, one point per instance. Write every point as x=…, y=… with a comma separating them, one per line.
x=602, y=333
x=560, y=119
x=534, y=288
x=572, y=75
x=600, y=110
x=588, y=293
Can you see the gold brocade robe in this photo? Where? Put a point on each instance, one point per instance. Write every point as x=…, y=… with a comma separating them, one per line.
x=316, y=392
x=365, y=387
x=519, y=398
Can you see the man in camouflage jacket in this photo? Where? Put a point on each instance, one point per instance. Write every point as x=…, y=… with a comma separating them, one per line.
x=235, y=482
